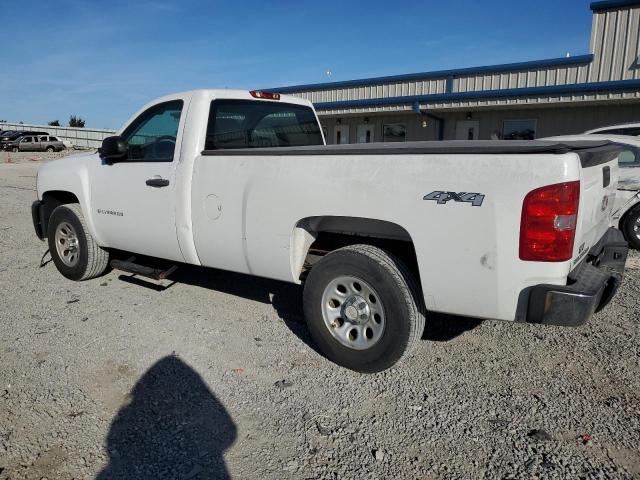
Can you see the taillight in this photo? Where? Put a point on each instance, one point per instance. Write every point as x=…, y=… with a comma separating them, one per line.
x=548, y=223
x=267, y=95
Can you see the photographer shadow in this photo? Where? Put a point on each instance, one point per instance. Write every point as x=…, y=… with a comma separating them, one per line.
x=173, y=427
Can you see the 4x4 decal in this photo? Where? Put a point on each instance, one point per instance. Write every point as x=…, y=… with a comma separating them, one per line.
x=475, y=199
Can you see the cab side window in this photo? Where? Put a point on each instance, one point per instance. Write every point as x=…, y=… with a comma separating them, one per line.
x=152, y=136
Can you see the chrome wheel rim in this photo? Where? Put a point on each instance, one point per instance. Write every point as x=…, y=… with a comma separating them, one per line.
x=353, y=312
x=67, y=244
x=636, y=228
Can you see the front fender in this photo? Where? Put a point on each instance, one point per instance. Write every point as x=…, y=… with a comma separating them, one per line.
x=70, y=175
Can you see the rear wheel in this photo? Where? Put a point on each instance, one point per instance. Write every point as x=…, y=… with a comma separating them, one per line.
x=363, y=308
x=631, y=227
x=51, y=149
x=75, y=253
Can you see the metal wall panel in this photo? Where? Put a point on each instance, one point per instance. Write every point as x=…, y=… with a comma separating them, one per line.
x=562, y=75
x=615, y=42
x=384, y=90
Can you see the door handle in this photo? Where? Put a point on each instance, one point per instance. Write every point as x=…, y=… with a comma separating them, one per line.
x=157, y=182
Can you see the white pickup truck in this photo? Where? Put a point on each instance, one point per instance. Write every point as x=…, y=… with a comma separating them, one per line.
x=380, y=234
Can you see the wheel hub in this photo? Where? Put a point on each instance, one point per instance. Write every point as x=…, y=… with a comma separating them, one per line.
x=353, y=312
x=356, y=310
x=67, y=246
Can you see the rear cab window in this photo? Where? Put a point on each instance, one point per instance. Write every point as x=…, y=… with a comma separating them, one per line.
x=629, y=131
x=629, y=158
x=260, y=124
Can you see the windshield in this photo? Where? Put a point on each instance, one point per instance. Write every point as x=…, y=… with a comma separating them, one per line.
x=255, y=124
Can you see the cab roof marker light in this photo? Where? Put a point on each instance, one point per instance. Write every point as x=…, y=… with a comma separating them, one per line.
x=265, y=95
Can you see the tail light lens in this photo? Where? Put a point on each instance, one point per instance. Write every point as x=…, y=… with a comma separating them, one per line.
x=548, y=223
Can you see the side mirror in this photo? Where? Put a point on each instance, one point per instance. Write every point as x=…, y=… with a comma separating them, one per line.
x=113, y=149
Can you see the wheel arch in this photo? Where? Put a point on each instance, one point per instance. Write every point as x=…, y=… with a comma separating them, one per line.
x=628, y=211
x=314, y=237
x=633, y=209
x=51, y=200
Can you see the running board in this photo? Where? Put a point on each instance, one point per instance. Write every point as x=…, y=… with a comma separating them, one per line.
x=142, y=270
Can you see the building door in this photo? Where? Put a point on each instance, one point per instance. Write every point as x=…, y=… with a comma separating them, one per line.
x=341, y=134
x=365, y=133
x=467, y=130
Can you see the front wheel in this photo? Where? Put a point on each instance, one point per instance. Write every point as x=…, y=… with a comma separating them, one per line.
x=363, y=308
x=631, y=227
x=14, y=149
x=75, y=253
x=51, y=149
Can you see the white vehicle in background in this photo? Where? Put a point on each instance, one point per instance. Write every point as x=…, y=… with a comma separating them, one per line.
x=626, y=210
x=632, y=129
x=378, y=233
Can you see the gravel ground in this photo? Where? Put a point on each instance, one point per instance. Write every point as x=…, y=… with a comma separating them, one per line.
x=215, y=377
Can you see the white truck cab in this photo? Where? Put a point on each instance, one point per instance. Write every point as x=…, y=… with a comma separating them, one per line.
x=380, y=234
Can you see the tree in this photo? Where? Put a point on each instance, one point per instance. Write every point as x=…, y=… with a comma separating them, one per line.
x=77, y=122
x=54, y=123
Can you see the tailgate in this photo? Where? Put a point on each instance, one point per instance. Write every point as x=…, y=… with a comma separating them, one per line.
x=599, y=181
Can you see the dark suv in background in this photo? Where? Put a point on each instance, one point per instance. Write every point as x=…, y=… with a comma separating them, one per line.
x=12, y=135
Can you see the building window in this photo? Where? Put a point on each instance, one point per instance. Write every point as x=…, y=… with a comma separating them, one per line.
x=519, y=129
x=394, y=132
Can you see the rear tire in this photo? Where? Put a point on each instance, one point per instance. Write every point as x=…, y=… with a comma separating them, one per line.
x=75, y=253
x=50, y=149
x=631, y=227
x=363, y=308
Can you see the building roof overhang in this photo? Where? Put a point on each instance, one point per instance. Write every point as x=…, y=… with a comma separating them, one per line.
x=613, y=4
x=453, y=73
x=575, y=88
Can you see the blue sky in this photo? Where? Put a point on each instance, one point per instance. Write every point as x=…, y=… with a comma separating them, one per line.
x=103, y=59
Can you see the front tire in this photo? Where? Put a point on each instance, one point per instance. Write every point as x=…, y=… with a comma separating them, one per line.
x=51, y=149
x=631, y=227
x=363, y=308
x=75, y=253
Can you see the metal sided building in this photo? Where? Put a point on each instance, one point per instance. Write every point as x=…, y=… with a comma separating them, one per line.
x=511, y=101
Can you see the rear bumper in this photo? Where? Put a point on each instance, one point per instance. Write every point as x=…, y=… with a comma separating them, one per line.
x=591, y=286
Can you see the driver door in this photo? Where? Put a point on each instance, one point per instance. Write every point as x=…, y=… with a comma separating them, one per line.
x=134, y=199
